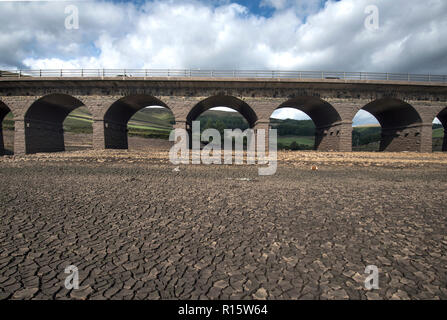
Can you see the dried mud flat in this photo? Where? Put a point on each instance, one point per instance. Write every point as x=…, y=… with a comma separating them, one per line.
x=138, y=229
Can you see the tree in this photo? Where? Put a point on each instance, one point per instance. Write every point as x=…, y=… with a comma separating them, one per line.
x=294, y=146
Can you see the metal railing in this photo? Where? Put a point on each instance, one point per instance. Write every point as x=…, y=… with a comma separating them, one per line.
x=190, y=73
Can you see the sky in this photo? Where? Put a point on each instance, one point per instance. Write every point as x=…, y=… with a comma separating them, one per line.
x=405, y=35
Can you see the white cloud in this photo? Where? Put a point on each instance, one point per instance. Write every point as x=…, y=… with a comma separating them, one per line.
x=226, y=109
x=299, y=35
x=363, y=118
x=289, y=113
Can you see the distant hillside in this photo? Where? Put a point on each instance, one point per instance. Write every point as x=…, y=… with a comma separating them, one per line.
x=221, y=120
x=79, y=121
x=366, y=136
x=294, y=134
x=155, y=118
x=438, y=137
x=289, y=127
x=8, y=122
x=438, y=131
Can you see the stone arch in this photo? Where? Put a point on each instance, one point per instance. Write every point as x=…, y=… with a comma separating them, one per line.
x=400, y=122
x=118, y=115
x=231, y=102
x=442, y=117
x=44, y=122
x=4, y=110
x=223, y=101
x=326, y=118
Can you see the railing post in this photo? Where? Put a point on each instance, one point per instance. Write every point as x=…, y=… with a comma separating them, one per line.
x=82, y=73
x=429, y=77
x=322, y=75
x=387, y=76
x=20, y=73
x=40, y=73
x=408, y=77
x=61, y=73
x=103, y=73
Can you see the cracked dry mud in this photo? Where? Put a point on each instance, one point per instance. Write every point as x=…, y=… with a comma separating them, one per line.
x=136, y=229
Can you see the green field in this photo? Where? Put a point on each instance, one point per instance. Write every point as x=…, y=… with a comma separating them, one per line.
x=8, y=122
x=296, y=142
x=300, y=140
x=438, y=137
x=438, y=133
x=152, y=119
x=79, y=121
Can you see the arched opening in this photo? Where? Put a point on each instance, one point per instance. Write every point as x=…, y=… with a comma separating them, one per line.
x=6, y=130
x=320, y=117
x=439, y=132
x=400, y=124
x=45, y=121
x=366, y=132
x=295, y=129
x=139, y=119
x=221, y=112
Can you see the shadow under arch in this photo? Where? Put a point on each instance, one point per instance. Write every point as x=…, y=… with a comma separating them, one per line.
x=4, y=110
x=44, y=122
x=399, y=121
x=442, y=117
x=118, y=115
x=325, y=117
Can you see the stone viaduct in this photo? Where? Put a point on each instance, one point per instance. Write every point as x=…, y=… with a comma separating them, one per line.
x=405, y=110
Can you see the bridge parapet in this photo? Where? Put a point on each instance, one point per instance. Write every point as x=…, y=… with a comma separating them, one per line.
x=175, y=74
